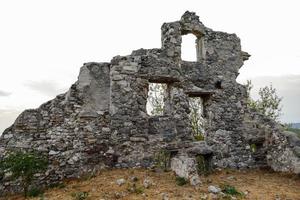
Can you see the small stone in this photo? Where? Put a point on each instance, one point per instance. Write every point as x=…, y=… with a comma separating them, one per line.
x=213, y=196
x=110, y=151
x=195, y=180
x=203, y=196
x=7, y=136
x=118, y=195
x=214, y=189
x=121, y=181
x=51, y=153
x=231, y=178
x=134, y=179
x=164, y=196
x=147, y=183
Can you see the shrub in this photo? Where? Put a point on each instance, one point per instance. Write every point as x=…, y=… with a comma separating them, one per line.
x=162, y=159
x=133, y=188
x=24, y=166
x=231, y=190
x=80, y=195
x=181, y=181
x=199, y=137
x=35, y=192
x=203, y=165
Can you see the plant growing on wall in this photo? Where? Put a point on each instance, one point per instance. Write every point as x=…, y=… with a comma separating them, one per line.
x=23, y=166
x=156, y=97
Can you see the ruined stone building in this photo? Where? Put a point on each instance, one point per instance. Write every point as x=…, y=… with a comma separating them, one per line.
x=102, y=120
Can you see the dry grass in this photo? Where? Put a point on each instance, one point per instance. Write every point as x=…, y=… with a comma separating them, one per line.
x=258, y=184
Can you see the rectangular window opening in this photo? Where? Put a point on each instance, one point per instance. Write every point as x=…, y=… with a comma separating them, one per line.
x=196, y=117
x=156, y=99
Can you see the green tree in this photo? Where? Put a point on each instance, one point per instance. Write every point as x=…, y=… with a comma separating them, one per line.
x=269, y=103
x=24, y=166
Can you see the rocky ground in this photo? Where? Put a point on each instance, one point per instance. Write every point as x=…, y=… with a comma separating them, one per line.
x=145, y=184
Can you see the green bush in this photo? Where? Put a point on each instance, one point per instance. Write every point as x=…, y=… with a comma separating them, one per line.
x=181, y=181
x=23, y=166
x=80, y=195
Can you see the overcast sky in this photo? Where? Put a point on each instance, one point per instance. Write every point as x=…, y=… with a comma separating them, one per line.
x=44, y=43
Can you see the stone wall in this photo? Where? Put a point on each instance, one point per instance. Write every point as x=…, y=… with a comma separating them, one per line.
x=102, y=121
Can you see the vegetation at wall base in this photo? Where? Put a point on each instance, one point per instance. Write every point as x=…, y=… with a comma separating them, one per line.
x=181, y=181
x=162, y=159
x=23, y=166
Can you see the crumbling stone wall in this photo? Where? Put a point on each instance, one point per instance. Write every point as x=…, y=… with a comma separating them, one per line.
x=102, y=121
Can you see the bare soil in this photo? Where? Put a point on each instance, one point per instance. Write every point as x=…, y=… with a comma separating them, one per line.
x=254, y=184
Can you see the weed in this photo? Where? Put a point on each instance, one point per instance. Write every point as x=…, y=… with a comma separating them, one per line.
x=35, y=192
x=203, y=165
x=133, y=188
x=253, y=148
x=231, y=190
x=57, y=185
x=80, y=195
x=88, y=176
x=42, y=197
x=162, y=159
x=181, y=181
x=199, y=137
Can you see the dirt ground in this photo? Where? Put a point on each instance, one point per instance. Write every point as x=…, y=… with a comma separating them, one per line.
x=254, y=184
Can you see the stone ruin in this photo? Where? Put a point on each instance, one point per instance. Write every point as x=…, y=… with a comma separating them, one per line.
x=101, y=122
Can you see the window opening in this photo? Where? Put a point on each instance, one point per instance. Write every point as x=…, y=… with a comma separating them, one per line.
x=156, y=99
x=189, y=48
x=196, y=117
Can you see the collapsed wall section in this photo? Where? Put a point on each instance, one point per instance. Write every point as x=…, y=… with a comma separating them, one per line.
x=72, y=131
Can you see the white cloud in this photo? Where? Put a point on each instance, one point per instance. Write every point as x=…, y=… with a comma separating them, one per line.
x=46, y=87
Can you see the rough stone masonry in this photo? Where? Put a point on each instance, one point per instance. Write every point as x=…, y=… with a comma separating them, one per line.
x=102, y=120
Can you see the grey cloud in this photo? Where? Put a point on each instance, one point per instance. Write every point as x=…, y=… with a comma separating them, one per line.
x=4, y=94
x=46, y=87
x=287, y=87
